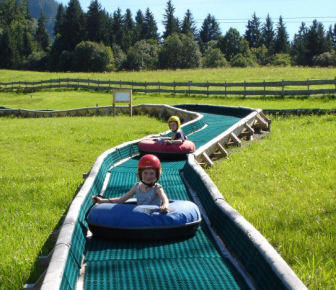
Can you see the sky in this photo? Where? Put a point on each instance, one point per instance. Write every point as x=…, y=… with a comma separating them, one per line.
x=232, y=13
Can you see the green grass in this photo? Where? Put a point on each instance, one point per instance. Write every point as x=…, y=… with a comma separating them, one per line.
x=199, y=75
x=80, y=98
x=41, y=165
x=285, y=186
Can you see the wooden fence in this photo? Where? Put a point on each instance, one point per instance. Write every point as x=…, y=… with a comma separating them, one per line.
x=273, y=88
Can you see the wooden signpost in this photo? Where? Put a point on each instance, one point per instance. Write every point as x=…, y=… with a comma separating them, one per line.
x=122, y=96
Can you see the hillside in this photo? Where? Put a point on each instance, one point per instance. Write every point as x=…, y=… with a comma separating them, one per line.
x=49, y=8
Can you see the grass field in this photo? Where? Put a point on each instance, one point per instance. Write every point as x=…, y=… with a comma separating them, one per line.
x=80, y=98
x=285, y=186
x=41, y=165
x=182, y=75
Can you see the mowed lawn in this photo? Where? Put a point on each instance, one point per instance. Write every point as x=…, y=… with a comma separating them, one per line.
x=285, y=186
x=183, y=75
x=62, y=100
x=41, y=165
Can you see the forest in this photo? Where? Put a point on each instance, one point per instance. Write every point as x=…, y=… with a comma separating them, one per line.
x=99, y=41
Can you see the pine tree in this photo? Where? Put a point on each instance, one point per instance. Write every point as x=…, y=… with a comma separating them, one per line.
x=73, y=31
x=170, y=22
x=41, y=35
x=129, y=37
x=232, y=44
x=188, y=25
x=94, y=22
x=252, y=33
x=139, y=25
x=150, y=27
x=281, y=44
x=59, y=21
x=267, y=33
x=316, y=42
x=299, y=44
x=117, y=28
x=332, y=35
x=210, y=29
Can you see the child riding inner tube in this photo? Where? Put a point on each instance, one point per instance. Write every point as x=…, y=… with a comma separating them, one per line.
x=168, y=147
x=161, y=148
x=130, y=221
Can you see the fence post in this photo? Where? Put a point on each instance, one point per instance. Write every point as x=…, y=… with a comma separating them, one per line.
x=88, y=80
x=207, y=88
x=174, y=87
x=308, y=87
x=335, y=83
x=119, y=83
x=145, y=87
x=225, y=88
x=189, y=88
x=282, y=89
x=59, y=82
x=264, y=88
x=244, y=89
x=159, y=87
x=132, y=85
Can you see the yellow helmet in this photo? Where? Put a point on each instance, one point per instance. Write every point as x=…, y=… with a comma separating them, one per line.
x=175, y=119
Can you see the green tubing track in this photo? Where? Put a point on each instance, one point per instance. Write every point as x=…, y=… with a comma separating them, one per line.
x=223, y=254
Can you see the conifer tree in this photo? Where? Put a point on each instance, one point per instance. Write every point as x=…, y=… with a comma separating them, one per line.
x=253, y=33
x=74, y=25
x=209, y=31
x=170, y=22
x=128, y=37
x=188, y=25
x=42, y=36
x=59, y=20
x=316, y=42
x=149, y=26
x=117, y=28
x=299, y=44
x=94, y=22
x=267, y=33
x=232, y=44
x=332, y=35
x=139, y=25
x=281, y=43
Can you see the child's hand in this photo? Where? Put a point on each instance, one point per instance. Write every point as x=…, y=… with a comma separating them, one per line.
x=169, y=142
x=96, y=199
x=163, y=209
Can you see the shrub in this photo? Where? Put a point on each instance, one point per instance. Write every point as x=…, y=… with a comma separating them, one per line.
x=325, y=59
x=143, y=55
x=261, y=55
x=119, y=57
x=281, y=59
x=36, y=61
x=179, y=51
x=92, y=56
x=214, y=58
x=240, y=60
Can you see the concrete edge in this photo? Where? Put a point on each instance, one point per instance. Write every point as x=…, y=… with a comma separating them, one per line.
x=277, y=263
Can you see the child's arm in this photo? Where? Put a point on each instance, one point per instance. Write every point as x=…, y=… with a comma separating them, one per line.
x=120, y=199
x=164, y=198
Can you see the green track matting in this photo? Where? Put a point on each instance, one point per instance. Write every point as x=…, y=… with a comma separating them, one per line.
x=194, y=263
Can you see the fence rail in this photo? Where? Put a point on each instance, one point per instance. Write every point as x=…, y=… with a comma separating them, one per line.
x=273, y=88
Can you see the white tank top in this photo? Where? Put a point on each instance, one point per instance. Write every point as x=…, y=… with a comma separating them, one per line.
x=147, y=197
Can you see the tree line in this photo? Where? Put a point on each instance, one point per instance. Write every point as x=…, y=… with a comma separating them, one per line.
x=99, y=41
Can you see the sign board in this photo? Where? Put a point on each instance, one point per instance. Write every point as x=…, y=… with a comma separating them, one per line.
x=122, y=96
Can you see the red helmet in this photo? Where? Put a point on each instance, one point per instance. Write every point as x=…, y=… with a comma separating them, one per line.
x=149, y=161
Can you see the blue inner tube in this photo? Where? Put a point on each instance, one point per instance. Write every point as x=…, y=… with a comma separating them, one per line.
x=144, y=222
